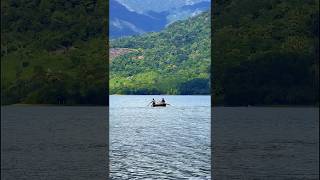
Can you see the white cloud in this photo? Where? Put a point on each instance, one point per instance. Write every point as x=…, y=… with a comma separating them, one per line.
x=121, y=24
x=142, y=6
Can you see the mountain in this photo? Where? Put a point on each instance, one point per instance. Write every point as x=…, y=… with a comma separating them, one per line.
x=138, y=17
x=173, y=61
x=143, y=6
x=264, y=53
x=123, y=22
x=186, y=11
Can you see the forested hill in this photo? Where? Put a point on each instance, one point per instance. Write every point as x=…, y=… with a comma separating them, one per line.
x=174, y=61
x=53, y=51
x=266, y=52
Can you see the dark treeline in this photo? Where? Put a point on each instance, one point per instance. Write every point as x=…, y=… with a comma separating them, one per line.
x=53, y=52
x=266, y=52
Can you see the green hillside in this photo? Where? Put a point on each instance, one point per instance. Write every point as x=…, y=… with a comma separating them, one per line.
x=263, y=53
x=174, y=61
x=266, y=52
x=53, y=52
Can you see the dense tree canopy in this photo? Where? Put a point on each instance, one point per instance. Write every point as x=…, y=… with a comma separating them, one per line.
x=174, y=61
x=263, y=52
x=266, y=52
x=53, y=52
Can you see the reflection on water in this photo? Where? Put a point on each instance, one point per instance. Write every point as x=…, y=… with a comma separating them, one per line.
x=266, y=143
x=53, y=142
x=170, y=142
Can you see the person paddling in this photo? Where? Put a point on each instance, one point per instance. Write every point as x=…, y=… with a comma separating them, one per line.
x=163, y=101
x=153, y=102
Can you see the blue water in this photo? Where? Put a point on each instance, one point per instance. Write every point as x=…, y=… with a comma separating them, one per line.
x=170, y=142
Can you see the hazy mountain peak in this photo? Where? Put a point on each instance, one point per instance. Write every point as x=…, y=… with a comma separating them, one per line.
x=130, y=17
x=157, y=5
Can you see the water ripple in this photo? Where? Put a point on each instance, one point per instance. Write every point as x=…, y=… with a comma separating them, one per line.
x=160, y=143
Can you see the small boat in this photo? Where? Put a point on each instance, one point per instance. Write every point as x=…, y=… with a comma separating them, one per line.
x=159, y=105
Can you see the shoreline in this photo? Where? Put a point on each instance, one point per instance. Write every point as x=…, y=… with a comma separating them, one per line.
x=55, y=105
x=159, y=95
x=218, y=106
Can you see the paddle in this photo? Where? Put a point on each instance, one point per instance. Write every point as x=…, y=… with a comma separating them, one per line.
x=149, y=103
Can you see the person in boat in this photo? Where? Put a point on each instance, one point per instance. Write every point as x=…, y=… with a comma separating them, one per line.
x=153, y=102
x=163, y=101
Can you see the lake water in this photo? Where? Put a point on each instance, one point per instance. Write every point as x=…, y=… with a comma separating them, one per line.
x=250, y=143
x=170, y=142
x=53, y=143
x=262, y=143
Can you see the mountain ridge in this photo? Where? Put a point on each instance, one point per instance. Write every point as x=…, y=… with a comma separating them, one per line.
x=125, y=21
x=142, y=6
